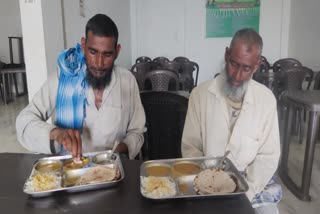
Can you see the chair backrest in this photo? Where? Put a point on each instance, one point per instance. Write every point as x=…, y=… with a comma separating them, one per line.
x=181, y=59
x=172, y=66
x=187, y=70
x=139, y=70
x=285, y=63
x=1, y=64
x=264, y=65
x=143, y=59
x=295, y=77
x=309, y=76
x=161, y=59
x=292, y=80
x=165, y=117
x=317, y=81
x=161, y=80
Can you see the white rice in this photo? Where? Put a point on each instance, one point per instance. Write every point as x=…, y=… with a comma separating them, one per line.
x=158, y=187
x=43, y=182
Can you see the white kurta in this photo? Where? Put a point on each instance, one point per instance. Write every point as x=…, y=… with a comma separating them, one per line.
x=254, y=142
x=120, y=117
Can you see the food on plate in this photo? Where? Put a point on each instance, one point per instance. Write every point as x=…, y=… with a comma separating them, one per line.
x=158, y=187
x=157, y=170
x=48, y=166
x=98, y=174
x=72, y=164
x=43, y=182
x=211, y=181
x=185, y=168
x=183, y=187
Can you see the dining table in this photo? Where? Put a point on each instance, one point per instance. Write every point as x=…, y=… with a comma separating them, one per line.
x=125, y=197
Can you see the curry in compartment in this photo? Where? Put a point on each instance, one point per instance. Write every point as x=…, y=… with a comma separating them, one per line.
x=48, y=166
x=71, y=164
x=185, y=168
x=157, y=170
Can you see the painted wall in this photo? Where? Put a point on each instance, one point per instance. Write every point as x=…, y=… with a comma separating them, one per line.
x=42, y=40
x=118, y=11
x=179, y=30
x=53, y=32
x=10, y=25
x=305, y=33
x=172, y=28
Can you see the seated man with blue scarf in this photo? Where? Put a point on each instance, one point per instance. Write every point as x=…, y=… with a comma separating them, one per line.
x=93, y=103
x=234, y=113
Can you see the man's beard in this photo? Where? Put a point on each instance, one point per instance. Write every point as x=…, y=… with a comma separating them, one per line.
x=99, y=82
x=234, y=93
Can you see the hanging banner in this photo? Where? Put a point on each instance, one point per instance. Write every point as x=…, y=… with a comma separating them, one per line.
x=225, y=17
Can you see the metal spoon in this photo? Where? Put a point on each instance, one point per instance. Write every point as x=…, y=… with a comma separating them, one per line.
x=220, y=163
x=115, y=145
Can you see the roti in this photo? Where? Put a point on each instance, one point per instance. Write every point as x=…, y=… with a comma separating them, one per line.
x=97, y=174
x=212, y=181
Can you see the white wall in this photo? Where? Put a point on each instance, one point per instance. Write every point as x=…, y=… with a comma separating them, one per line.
x=118, y=11
x=177, y=27
x=159, y=28
x=10, y=25
x=42, y=36
x=147, y=27
x=53, y=32
x=304, y=34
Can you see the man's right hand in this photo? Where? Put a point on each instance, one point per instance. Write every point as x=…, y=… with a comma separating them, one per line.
x=70, y=139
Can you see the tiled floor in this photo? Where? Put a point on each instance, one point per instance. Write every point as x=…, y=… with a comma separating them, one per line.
x=289, y=204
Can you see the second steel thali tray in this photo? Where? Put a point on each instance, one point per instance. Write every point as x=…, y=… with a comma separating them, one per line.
x=179, y=174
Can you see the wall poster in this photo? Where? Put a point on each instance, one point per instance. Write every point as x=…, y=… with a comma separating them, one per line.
x=225, y=17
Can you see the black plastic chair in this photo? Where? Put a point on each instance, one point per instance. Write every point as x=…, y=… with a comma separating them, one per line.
x=293, y=80
x=316, y=85
x=181, y=59
x=285, y=63
x=186, y=76
x=309, y=76
x=143, y=59
x=165, y=117
x=161, y=80
x=1, y=85
x=139, y=70
x=161, y=59
x=264, y=65
x=172, y=66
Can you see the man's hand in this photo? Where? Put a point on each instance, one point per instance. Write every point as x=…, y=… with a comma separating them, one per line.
x=70, y=139
x=122, y=148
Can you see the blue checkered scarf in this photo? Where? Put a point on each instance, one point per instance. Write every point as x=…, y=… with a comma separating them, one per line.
x=71, y=97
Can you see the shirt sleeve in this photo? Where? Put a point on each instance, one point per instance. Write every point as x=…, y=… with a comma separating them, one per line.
x=261, y=170
x=33, y=132
x=191, y=143
x=134, y=138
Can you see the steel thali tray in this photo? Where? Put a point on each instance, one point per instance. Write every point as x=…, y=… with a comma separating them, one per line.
x=184, y=180
x=66, y=178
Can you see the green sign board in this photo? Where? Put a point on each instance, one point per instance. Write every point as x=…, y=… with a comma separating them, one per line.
x=225, y=20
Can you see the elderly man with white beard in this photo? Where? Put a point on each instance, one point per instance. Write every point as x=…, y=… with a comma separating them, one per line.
x=233, y=112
